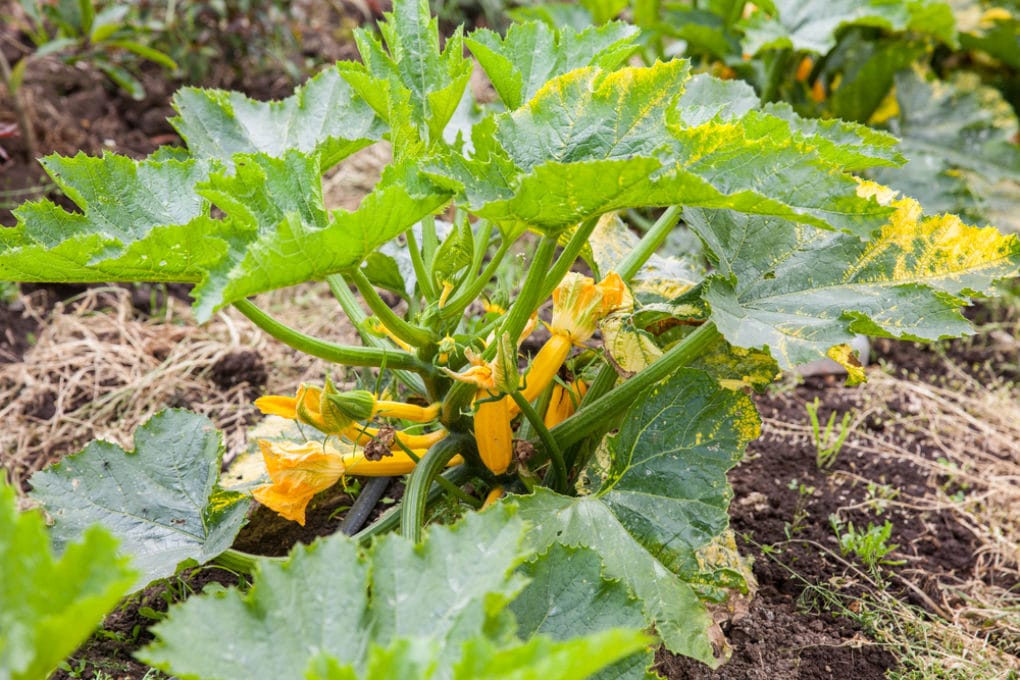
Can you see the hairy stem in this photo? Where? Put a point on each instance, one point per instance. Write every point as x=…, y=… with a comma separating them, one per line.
x=340, y=354
x=409, y=333
x=649, y=243
x=591, y=416
x=412, y=514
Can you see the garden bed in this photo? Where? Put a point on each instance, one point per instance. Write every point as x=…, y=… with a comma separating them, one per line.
x=931, y=449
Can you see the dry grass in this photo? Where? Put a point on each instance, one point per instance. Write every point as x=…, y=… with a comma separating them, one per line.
x=99, y=369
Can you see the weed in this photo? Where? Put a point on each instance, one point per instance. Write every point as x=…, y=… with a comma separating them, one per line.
x=870, y=546
x=826, y=446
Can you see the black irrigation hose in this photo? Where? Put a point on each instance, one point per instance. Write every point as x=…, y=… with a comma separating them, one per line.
x=363, y=505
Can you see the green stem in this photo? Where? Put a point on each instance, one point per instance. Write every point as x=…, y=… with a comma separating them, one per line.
x=649, y=243
x=530, y=295
x=349, y=303
x=456, y=306
x=429, y=239
x=340, y=354
x=390, y=519
x=409, y=333
x=420, y=273
x=446, y=484
x=593, y=415
x=239, y=561
x=561, y=479
x=775, y=74
x=569, y=255
x=412, y=514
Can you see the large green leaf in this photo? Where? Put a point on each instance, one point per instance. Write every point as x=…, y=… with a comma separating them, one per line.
x=431, y=80
x=323, y=116
x=335, y=599
x=654, y=495
x=128, y=230
x=539, y=658
x=533, y=53
x=800, y=291
x=150, y=221
x=593, y=141
x=812, y=25
x=161, y=501
x=567, y=597
x=959, y=137
x=49, y=606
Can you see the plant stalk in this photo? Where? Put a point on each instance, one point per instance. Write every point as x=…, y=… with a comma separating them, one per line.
x=649, y=243
x=593, y=415
x=349, y=303
x=409, y=333
x=340, y=354
x=569, y=255
x=412, y=513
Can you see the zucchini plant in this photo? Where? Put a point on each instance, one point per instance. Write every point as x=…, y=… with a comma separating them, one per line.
x=605, y=452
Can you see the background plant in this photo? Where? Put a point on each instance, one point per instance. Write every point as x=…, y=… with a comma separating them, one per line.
x=102, y=35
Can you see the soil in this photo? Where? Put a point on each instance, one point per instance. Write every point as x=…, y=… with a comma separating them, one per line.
x=800, y=623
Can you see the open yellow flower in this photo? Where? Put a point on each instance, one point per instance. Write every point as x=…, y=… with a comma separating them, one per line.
x=298, y=471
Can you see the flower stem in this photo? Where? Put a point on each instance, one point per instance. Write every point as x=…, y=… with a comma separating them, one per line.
x=649, y=243
x=593, y=415
x=349, y=303
x=560, y=479
x=340, y=354
x=412, y=513
x=409, y=333
x=420, y=273
x=569, y=255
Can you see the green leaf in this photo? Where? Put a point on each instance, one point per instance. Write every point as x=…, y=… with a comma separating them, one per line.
x=568, y=597
x=541, y=658
x=537, y=659
x=454, y=254
x=336, y=599
x=128, y=230
x=149, y=221
x=798, y=291
x=161, y=501
x=324, y=115
x=592, y=142
x=532, y=53
x=49, y=606
x=654, y=495
x=433, y=80
x=812, y=25
x=959, y=137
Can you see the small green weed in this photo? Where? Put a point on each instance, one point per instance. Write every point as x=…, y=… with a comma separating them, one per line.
x=826, y=445
x=870, y=546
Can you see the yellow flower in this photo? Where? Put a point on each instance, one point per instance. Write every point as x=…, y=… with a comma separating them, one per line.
x=579, y=303
x=298, y=472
